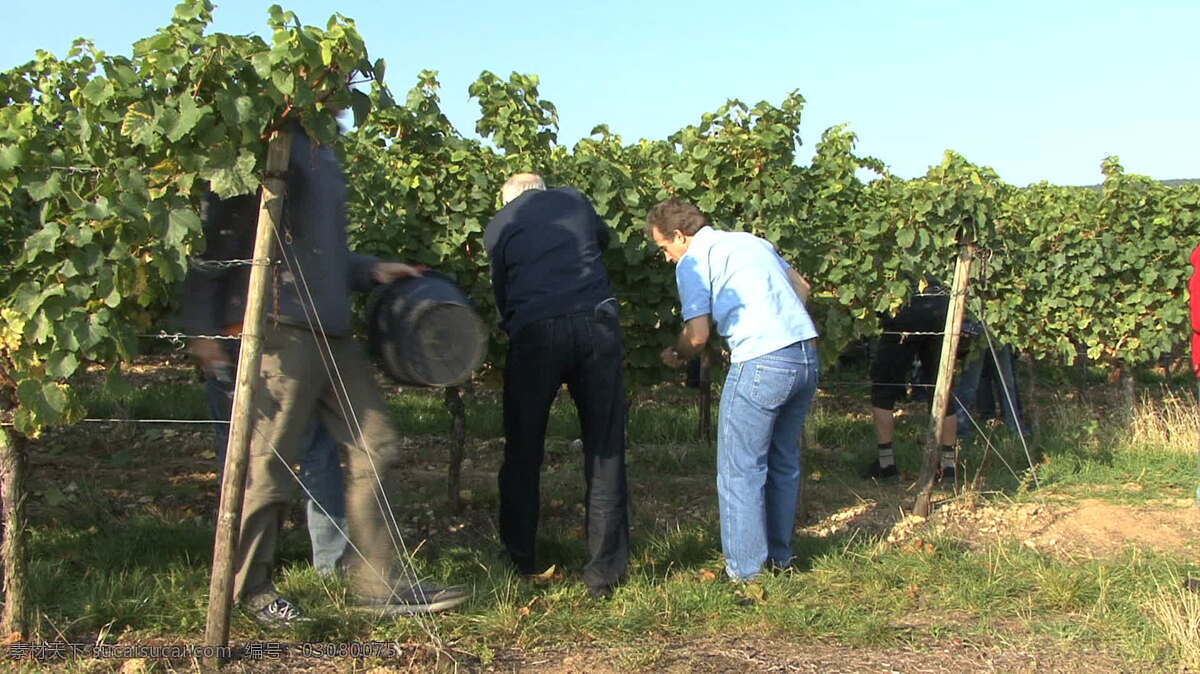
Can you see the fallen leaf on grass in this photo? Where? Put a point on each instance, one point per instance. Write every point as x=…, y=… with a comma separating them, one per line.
x=14, y=638
x=528, y=608
x=919, y=546
x=752, y=593
x=134, y=666
x=550, y=575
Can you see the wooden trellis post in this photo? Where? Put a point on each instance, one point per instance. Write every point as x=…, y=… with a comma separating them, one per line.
x=220, y=589
x=945, y=377
x=14, y=462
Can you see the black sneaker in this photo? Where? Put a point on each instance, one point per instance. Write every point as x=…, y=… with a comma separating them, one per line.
x=876, y=472
x=423, y=597
x=600, y=592
x=278, y=612
x=946, y=474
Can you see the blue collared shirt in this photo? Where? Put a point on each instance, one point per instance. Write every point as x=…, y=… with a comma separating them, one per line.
x=742, y=282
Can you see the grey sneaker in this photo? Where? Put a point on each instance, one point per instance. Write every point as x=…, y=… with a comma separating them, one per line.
x=278, y=612
x=423, y=597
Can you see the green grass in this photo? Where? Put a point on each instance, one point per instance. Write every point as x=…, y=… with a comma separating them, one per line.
x=859, y=593
x=421, y=412
x=119, y=568
x=169, y=400
x=1150, y=456
x=415, y=411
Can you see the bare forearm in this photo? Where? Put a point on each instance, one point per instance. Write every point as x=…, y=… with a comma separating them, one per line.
x=689, y=344
x=800, y=285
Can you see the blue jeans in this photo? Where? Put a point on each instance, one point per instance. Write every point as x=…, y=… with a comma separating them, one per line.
x=763, y=407
x=989, y=382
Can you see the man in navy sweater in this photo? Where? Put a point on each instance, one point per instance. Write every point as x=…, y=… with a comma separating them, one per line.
x=557, y=306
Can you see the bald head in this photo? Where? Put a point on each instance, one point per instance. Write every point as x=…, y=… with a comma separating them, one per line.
x=518, y=184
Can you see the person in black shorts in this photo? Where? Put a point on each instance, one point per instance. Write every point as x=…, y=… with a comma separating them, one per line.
x=915, y=332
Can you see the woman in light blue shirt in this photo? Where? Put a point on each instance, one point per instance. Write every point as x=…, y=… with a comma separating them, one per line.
x=756, y=301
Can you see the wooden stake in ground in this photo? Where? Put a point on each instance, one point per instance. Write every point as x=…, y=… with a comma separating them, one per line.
x=941, y=393
x=1128, y=389
x=13, y=463
x=220, y=589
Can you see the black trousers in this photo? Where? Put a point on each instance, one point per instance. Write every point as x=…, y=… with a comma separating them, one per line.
x=892, y=365
x=585, y=352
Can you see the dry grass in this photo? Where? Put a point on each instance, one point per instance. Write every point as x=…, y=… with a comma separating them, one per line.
x=1171, y=423
x=1176, y=610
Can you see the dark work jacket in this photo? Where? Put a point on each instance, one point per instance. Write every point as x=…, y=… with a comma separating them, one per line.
x=545, y=249
x=313, y=238
x=925, y=311
x=921, y=314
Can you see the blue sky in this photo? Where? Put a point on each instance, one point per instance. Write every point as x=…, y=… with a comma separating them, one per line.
x=1036, y=90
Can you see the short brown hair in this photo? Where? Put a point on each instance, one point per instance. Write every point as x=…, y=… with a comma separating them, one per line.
x=672, y=215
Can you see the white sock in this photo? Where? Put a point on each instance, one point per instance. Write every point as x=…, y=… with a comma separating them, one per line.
x=887, y=457
x=948, y=458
